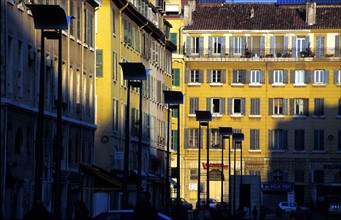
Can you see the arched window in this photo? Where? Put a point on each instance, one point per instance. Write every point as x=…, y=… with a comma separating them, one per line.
x=18, y=141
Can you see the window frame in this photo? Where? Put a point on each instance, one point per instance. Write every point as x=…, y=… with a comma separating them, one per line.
x=216, y=76
x=299, y=77
x=195, y=45
x=216, y=45
x=278, y=77
x=237, y=43
x=319, y=140
x=319, y=77
x=255, y=77
x=195, y=76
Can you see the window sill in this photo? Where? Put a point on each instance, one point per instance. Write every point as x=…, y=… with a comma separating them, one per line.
x=319, y=84
x=255, y=85
x=318, y=151
x=299, y=151
x=79, y=41
x=255, y=116
x=72, y=38
x=278, y=116
x=300, y=85
x=217, y=115
x=191, y=115
x=236, y=115
x=338, y=84
x=216, y=84
x=318, y=116
x=255, y=151
x=278, y=84
x=194, y=84
x=277, y=151
x=237, y=84
x=299, y=116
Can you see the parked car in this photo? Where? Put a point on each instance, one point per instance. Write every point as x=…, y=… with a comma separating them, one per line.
x=212, y=203
x=334, y=208
x=125, y=214
x=287, y=206
x=183, y=202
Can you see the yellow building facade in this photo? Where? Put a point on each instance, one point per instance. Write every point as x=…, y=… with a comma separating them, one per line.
x=132, y=31
x=277, y=81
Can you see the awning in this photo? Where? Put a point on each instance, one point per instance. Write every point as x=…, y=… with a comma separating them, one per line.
x=103, y=175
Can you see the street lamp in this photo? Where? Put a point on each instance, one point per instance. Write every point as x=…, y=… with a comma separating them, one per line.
x=53, y=18
x=237, y=139
x=225, y=133
x=134, y=73
x=173, y=99
x=203, y=117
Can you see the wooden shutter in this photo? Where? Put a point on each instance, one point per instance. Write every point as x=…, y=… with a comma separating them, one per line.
x=222, y=105
x=272, y=46
x=229, y=102
x=210, y=46
x=208, y=76
x=231, y=46
x=223, y=46
x=306, y=106
x=270, y=105
x=286, y=44
x=243, y=103
x=201, y=76
x=188, y=46
x=326, y=76
x=271, y=76
x=262, y=46
x=292, y=106
x=337, y=46
x=285, y=106
x=292, y=76
x=223, y=76
x=208, y=104
x=293, y=39
x=201, y=46
x=285, y=76
x=188, y=76
x=262, y=76
x=308, y=76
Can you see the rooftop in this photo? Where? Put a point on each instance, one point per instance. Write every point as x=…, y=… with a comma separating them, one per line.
x=266, y=16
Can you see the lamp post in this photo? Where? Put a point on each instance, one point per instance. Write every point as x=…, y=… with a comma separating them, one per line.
x=134, y=73
x=225, y=132
x=51, y=20
x=203, y=117
x=173, y=99
x=237, y=139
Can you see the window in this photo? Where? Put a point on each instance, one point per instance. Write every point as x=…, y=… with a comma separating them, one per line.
x=255, y=106
x=320, y=46
x=318, y=176
x=175, y=140
x=176, y=77
x=194, y=76
x=299, y=76
x=278, y=106
x=216, y=45
x=239, y=76
x=114, y=66
x=254, y=139
x=193, y=174
x=174, y=39
x=299, y=176
x=299, y=106
x=191, y=137
x=237, y=45
x=255, y=77
x=215, y=76
x=301, y=45
x=175, y=113
x=195, y=45
x=115, y=117
x=278, y=45
x=113, y=22
x=278, y=77
x=318, y=76
x=78, y=17
x=337, y=77
x=318, y=140
x=88, y=38
x=339, y=140
x=319, y=107
x=278, y=175
x=254, y=172
x=215, y=139
x=236, y=106
x=72, y=26
x=236, y=145
x=193, y=105
x=278, y=139
x=216, y=105
x=299, y=140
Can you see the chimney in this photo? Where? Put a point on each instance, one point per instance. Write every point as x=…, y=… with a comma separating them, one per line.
x=310, y=16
